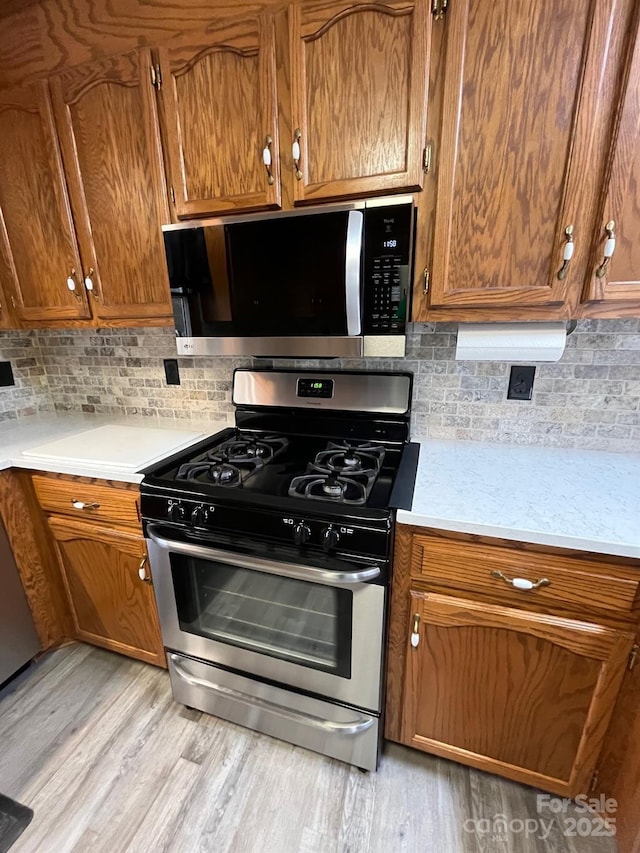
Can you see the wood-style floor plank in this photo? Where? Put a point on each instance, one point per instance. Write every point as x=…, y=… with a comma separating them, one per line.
x=95, y=745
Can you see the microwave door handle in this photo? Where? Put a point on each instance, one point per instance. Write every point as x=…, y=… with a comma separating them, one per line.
x=271, y=567
x=352, y=268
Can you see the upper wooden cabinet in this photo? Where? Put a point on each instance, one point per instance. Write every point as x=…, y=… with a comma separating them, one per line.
x=39, y=258
x=359, y=97
x=107, y=122
x=614, y=271
x=218, y=94
x=525, y=99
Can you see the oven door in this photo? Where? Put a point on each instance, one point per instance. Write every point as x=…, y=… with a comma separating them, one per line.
x=315, y=628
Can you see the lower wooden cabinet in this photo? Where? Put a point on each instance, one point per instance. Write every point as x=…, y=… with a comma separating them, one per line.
x=515, y=691
x=111, y=605
x=518, y=680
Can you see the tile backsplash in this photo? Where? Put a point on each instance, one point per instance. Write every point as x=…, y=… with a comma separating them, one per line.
x=589, y=399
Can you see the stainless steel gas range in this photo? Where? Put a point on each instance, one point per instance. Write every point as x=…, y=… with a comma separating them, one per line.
x=270, y=549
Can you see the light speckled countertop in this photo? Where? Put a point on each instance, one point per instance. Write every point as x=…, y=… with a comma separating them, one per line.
x=583, y=499
x=18, y=436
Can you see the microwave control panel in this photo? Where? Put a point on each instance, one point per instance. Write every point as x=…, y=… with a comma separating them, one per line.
x=388, y=237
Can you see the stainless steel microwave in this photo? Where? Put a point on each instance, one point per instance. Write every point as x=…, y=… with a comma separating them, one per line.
x=323, y=282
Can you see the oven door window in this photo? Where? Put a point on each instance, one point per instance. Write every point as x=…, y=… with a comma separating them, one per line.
x=297, y=621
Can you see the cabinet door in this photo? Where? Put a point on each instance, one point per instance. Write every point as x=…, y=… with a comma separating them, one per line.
x=111, y=605
x=107, y=122
x=38, y=250
x=516, y=693
x=524, y=91
x=218, y=93
x=359, y=87
x=618, y=279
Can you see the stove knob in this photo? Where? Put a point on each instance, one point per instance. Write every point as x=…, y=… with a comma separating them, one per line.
x=177, y=513
x=301, y=533
x=199, y=516
x=329, y=538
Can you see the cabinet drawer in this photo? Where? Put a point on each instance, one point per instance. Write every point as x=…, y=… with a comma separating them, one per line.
x=88, y=500
x=469, y=566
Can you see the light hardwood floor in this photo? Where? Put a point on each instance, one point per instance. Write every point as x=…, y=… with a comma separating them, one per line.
x=95, y=745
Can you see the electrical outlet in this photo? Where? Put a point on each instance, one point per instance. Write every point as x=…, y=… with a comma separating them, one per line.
x=521, y=383
x=171, y=372
x=6, y=374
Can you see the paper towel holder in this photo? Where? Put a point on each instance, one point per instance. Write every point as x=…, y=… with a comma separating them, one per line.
x=513, y=342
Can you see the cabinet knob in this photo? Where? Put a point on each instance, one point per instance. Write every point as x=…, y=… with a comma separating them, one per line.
x=143, y=574
x=521, y=583
x=295, y=151
x=609, y=248
x=266, y=159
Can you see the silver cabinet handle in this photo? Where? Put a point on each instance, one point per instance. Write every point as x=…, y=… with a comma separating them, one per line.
x=82, y=505
x=296, y=153
x=266, y=159
x=568, y=252
x=609, y=248
x=522, y=583
x=359, y=724
x=270, y=567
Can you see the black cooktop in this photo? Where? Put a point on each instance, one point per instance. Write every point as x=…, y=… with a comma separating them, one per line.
x=240, y=465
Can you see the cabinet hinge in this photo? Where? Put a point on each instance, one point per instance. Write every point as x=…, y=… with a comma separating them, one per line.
x=426, y=158
x=633, y=654
x=594, y=780
x=427, y=281
x=438, y=8
x=172, y=193
x=14, y=304
x=156, y=77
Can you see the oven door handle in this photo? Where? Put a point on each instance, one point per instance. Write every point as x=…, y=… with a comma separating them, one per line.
x=271, y=567
x=355, y=727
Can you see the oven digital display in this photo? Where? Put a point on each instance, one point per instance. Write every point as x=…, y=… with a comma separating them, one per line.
x=315, y=388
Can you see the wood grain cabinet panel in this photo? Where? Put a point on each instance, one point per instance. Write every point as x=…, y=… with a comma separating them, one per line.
x=107, y=122
x=37, y=237
x=110, y=604
x=218, y=93
x=359, y=87
x=525, y=98
x=567, y=583
x=522, y=694
x=87, y=500
x=618, y=280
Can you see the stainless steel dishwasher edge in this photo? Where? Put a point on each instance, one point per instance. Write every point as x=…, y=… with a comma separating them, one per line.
x=18, y=639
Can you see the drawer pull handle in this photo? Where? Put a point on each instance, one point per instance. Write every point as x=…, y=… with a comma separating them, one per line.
x=143, y=574
x=415, y=636
x=521, y=583
x=82, y=505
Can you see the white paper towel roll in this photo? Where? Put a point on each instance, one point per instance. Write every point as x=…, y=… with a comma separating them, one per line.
x=511, y=341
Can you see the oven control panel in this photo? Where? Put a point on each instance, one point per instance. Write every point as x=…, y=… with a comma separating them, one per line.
x=330, y=536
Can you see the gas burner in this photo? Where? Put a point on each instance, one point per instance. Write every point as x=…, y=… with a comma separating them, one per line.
x=224, y=474
x=324, y=486
x=220, y=473
x=347, y=458
x=250, y=448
